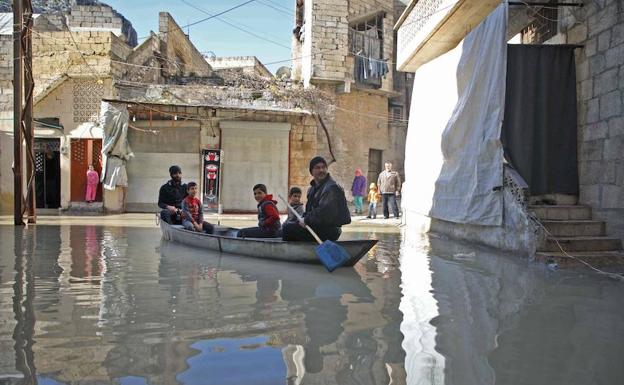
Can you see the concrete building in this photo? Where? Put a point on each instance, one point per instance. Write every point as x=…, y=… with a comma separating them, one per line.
x=586, y=217
x=78, y=58
x=346, y=48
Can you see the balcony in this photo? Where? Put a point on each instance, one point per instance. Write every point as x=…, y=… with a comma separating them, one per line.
x=430, y=28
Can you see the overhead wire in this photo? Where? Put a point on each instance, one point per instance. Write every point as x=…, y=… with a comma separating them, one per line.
x=206, y=18
x=235, y=26
x=283, y=11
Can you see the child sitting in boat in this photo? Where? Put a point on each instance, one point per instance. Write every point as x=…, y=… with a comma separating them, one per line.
x=268, y=216
x=294, y=200
x=193, y=212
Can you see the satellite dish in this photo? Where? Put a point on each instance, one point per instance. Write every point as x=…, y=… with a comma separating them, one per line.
x=283, y=73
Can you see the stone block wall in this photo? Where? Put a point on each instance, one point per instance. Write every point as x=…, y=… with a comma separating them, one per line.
x=329, y=25
x=76, y=53
x=181, y=57
x=101, y=17
x=599, y=27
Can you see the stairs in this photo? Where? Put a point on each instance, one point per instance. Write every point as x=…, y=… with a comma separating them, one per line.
x=572, y=227
x=85, y=209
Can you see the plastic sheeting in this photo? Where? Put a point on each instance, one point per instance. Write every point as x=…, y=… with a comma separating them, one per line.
x=115, y=148
x=467, y=189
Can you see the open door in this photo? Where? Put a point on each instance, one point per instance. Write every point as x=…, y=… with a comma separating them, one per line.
x=84, y=152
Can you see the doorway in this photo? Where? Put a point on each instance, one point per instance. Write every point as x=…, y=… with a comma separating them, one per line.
x=47, y=173
x=374, y=165
x=85, y=152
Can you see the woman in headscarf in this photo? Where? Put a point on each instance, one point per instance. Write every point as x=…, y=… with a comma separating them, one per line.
x=358, y=190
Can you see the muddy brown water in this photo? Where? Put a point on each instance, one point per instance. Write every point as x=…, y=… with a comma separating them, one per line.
x=116, y=305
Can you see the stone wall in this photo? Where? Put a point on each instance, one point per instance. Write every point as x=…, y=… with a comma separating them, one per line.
x=360, y=124
x=327, y=25
x=181, y=56
x=329, y=34
x=599, y=27
x=103, y=18
x=247, y=64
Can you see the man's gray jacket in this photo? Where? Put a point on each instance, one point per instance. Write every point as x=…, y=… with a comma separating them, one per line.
x=389, y=182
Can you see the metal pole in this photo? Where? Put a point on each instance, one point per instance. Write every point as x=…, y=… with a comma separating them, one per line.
x=17, y=113
x=29, y=88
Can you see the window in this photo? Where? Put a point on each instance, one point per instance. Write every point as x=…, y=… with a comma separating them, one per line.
x=366, y=45
x=543, y=27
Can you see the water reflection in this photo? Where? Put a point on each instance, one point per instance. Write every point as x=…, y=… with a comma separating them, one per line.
x=113, y=305
x=486, y=318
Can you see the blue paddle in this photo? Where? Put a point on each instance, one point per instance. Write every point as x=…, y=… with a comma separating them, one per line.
x=331, y=255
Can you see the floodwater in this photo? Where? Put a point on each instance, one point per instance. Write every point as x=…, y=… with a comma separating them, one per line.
x=115, y=305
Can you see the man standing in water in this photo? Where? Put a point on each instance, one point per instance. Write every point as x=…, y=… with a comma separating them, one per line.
x=170, y=197
x=326, y=209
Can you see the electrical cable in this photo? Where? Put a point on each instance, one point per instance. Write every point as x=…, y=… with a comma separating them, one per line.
x=206, y=18
x=235, y=26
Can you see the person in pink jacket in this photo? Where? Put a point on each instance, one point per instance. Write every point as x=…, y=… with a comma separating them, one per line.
x=93, y=179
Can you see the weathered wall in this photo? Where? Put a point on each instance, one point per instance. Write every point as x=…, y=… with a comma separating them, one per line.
x=324, y=55
x=599, y=26
x=360, y=124
x=247, y=64
x=181, y=56
x=327, y=21
x=103, y=18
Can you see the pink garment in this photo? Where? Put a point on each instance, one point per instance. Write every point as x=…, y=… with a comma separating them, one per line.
x=93, y=179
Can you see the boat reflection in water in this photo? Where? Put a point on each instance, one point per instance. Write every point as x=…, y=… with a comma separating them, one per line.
x=114, y=305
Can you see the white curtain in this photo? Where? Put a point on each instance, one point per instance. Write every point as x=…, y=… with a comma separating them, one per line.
x=454, y=157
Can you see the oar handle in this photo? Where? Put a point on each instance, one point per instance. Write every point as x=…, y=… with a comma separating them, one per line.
x=300, y=219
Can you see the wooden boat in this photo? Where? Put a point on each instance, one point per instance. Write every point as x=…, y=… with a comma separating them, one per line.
x=224, y=240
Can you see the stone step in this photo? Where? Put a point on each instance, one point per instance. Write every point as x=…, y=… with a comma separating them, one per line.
x=594, y=258
x=575, y=228
x=561, y=212
x=582, y=244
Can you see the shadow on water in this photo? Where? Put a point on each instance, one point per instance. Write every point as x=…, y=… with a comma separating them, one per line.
x=480, y=317
x=114, y=305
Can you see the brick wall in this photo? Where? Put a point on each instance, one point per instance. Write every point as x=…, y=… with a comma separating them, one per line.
x=599, y=26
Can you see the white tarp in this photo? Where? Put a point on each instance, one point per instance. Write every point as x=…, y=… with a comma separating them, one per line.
x=115, y=148
x=6, y=22
x=470, y=164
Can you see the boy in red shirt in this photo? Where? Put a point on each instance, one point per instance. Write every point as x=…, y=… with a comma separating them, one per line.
x=193, y=212
x=268, y=216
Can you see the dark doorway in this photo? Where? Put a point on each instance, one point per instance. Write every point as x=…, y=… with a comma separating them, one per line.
x=48, y=173
x=374, y=165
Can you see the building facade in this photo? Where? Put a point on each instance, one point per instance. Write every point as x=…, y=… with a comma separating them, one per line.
x=346, y=48
x=586, y=218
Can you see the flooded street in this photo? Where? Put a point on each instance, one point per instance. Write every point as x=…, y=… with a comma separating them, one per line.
x=115, y=305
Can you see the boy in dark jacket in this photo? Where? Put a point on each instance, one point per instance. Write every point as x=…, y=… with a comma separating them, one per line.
x=294, y=200
x=268, y=216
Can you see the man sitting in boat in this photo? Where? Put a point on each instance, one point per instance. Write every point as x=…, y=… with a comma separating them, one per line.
x=170, y=197
x=326, y=209
x=268, y=216
x=193, y=212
